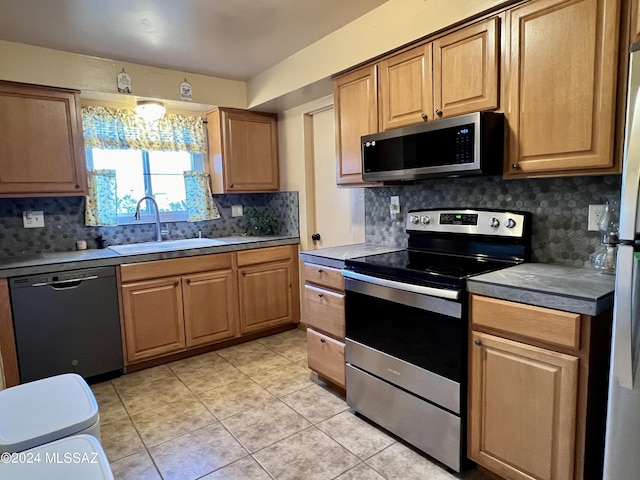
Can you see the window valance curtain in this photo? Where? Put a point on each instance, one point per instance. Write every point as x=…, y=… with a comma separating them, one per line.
x=116, y=128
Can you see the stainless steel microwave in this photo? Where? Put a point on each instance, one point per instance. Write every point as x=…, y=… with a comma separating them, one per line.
x=469, y=144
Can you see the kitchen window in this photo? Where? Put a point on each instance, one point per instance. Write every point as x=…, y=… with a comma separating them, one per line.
x=153, y=173
x=129, y=158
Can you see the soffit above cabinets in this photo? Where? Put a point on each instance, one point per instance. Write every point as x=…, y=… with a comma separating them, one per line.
x=233, y=39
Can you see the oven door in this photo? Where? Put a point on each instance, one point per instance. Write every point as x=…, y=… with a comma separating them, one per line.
x=415, y=341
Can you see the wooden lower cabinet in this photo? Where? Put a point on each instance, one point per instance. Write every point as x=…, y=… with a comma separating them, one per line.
x=326, y=356
x=324, y=302
x=523, y=410
x=153, y=318
x=170, y=306
x=210, y=307
x=268, y=288
x=537, y=390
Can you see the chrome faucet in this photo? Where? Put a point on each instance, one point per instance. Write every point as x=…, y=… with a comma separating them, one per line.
x=137, y=215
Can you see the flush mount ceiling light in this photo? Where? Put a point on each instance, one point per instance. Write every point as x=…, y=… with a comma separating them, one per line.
x=150, y=110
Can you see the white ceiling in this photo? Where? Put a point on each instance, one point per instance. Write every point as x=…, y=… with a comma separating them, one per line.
x=233, y=39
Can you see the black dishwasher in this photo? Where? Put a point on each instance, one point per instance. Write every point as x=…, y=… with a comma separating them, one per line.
x=67, y=322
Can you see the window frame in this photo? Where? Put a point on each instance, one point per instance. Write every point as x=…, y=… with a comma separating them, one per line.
x=198, y=164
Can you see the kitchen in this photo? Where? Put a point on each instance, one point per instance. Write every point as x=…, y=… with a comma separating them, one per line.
x=558, y=227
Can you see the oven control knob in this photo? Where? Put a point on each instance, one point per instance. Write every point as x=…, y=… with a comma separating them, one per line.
x=509, y=223
x=414, y=219
x=494, y=222
x=425, y=220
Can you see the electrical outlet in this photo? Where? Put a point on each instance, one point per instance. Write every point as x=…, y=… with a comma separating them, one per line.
x=595, y=212
x=236, y=211
x=33, y=219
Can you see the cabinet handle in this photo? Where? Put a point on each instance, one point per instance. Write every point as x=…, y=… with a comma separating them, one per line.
x=424, y=117
x=244, y=274
x=515, y=166
x=176, y=283
x=77, y=186
x=321, y=295
x=322, y=340
x=320, y=270
x=439, y=113
x=188, y=281
x=231, y=186
x=478, y=342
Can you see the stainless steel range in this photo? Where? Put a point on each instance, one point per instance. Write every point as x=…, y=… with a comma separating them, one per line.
x=407, y=323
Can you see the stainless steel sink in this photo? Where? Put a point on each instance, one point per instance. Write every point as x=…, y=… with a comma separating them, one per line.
x=165, y=246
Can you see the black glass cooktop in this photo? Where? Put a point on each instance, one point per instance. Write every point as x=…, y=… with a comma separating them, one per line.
x=428, y=268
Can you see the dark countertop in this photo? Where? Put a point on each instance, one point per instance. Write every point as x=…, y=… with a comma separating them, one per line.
x=63, y=261
x=572, y=289
x=335, y=256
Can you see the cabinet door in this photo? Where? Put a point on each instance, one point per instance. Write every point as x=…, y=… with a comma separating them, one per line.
x=466, y=70
x=153, y=318
x=265, y=296
x=41, y=145
x=522, y=411
x=562, y=84
x=634, y=33
x=325, y=310
x=356, y=105
x=210, y=307
x=250, y=151
x=405, y=88
x=326, y=357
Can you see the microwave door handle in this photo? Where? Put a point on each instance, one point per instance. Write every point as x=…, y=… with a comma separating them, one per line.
x=625, y=334
x=631, y=174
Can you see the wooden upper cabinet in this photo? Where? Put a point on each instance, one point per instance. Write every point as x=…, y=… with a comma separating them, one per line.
x=635, y=22
x=243, y=151
x=356, y=108
x=466, y=70
x=406, y=94
x=210, y=307
x=562, y=87
x=522, y=418
x=41, y=143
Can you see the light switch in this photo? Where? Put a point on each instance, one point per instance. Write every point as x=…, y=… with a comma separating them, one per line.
x=394, y=206
x=236, y=210
x=33, y=219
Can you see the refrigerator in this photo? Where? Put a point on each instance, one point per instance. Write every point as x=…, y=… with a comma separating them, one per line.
x=622, y=438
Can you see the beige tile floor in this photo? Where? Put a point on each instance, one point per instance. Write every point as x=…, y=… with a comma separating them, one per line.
x=248, y=412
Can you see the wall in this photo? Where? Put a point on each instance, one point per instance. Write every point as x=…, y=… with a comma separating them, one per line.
x=96, y=77
x=64, y=223
x=559, y=207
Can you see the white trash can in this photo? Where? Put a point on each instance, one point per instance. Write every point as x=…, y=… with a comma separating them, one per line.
x=46, y=410
x=79, y=457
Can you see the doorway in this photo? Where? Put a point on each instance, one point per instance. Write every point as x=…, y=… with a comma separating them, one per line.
x=336, y=214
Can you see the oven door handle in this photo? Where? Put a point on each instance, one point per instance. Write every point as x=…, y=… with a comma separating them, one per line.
x=432, y=291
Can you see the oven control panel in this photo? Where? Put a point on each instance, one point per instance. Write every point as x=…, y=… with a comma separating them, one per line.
x=476, y=222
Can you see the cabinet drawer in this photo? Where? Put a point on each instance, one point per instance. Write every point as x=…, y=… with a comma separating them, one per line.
x=543, y=324
x=132, y=272
x=264, y=255
x=325, y=310
x=324, y=276
x=326, y=356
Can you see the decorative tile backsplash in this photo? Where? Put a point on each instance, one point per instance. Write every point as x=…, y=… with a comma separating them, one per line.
x=64, y=223
x=559, y=206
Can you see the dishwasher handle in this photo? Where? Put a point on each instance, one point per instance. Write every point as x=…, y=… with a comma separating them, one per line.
x=65, y=284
